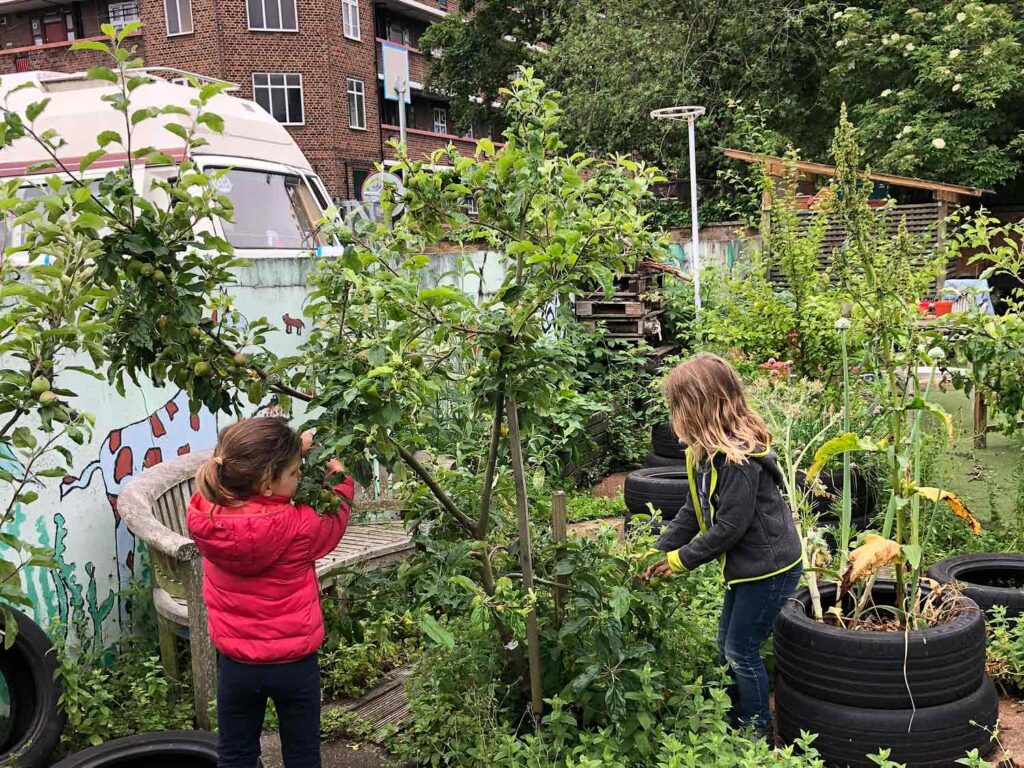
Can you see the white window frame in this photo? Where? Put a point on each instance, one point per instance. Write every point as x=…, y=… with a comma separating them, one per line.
x=177, y=7
x=120, y=5
x=443, y=122
x=350, y=19
x=302, y=94
x=280, y=15
x=356, y=92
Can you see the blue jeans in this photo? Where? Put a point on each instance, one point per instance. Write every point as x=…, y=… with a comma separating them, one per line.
x=242, y=693
x=748, y=614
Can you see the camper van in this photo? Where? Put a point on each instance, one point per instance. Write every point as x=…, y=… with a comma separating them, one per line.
x=278, y=198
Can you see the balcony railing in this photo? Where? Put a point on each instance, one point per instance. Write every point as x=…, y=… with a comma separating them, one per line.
x=423, y=143
x=56, y=56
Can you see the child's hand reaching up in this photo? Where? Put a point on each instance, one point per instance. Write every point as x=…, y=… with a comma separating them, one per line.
x=660, y=570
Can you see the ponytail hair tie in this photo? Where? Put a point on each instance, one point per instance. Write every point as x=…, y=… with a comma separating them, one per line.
x=218, y=461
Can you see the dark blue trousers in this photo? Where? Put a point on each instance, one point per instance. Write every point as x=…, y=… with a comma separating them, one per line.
x=242, y=694
x=748, y=614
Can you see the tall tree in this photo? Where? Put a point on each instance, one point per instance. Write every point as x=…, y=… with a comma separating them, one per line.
x=935, y=88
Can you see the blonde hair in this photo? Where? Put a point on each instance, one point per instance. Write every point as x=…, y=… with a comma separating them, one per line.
x=710, y=412
x=249, y=454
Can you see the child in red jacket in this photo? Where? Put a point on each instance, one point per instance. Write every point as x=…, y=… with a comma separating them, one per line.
x=260, y=587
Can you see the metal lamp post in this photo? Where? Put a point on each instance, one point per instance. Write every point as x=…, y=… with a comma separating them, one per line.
x=690, y=115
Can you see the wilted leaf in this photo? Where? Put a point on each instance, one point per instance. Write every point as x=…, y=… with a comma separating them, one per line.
x=874, y=553
x=954, y=502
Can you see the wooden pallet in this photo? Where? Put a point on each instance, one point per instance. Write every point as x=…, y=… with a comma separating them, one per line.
x=610, y=309
x=628, y=328
x=385, y=707
x=631, y=286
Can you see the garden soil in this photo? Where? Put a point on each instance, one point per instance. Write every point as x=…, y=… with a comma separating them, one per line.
x=336, y=754
x=1011, y=732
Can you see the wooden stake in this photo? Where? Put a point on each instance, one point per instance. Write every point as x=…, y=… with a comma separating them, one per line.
x=525, y=556
x=980, y=419
x=558, y=534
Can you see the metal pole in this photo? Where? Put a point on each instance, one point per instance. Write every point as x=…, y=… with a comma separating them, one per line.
x=400, y=86
x=694, y=229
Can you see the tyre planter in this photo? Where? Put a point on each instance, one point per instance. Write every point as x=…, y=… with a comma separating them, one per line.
x=930, y=737
x=665, y=443
x=162, y=749
x=664, y=488
x=863, y=498
x=988, y=578
x=851, y=687
x=36, y=722
x=655, y=460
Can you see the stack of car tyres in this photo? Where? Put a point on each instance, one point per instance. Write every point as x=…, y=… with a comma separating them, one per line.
x=922, y=694
x=662, y=485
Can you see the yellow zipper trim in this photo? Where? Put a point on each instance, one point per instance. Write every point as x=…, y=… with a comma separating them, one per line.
x=767, y=575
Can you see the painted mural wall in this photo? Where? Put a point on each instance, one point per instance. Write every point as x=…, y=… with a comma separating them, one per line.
x=99, y=558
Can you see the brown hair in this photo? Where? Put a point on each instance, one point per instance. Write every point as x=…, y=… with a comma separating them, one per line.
x=709, y=410
x=248, y=455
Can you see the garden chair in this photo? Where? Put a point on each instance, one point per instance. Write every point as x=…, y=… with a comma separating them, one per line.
x=153, y=506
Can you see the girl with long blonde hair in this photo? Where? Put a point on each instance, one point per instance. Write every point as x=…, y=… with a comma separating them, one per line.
x=735, y=513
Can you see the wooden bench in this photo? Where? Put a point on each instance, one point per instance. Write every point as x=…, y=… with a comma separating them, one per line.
x=153, y=506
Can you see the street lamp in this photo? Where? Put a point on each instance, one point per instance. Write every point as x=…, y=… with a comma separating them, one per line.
x=690, y=115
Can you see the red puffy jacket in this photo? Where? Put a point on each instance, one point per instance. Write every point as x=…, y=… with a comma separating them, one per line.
x=259, y=581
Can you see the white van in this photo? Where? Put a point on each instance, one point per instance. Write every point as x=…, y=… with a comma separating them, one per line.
x=277, y=196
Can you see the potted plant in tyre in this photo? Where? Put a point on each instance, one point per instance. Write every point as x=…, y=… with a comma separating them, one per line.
x=895, y=663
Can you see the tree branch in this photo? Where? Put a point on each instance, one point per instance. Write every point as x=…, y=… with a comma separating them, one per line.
x=424, y=475
x=492, y=460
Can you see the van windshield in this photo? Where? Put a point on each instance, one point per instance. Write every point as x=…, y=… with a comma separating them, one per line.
x=272, y=210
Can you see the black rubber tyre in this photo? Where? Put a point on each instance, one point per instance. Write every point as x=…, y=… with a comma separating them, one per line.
x=981, y=575
x=665, y=443
x=874, y=669
x=938, y=736
x=163, y=749
x=36, y=722
x=863, y=496
x=654, y=460
x=666, y=488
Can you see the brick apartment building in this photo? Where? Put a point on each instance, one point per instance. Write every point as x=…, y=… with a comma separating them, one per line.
x=313, y=64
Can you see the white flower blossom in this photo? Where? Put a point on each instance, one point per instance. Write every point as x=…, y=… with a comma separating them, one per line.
x=955, y=53
x=843, y=324
x=513, y=644
x=939, y=143
x=958, y=79
x=886, y=92
x=909, y=47
x=956, y=87
x=961, y=17
x=937, y=354
x=837, y=15
x=841, y=43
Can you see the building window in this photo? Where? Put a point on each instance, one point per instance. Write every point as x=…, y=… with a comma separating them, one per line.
x=359, y=177
x=273, y=15
x=350, y=15
x=440, y=120
x=280, y=95
x=356, y=104
x=179, y=17
x=398, y=32
x=122, y=13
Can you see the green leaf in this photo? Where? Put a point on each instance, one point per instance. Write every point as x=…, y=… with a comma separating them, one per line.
x=214, y=122
x=919, y=403
x=465, y=582
x=108, y=137
x=847, y=442
x=90, y=45
x=102, y=73
x=436, y=632
x=486, y=146
x=23, y=438
x=177, y=130
x=89, y=159
x=912, y=552
x=619, y=601
x=35, y=109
